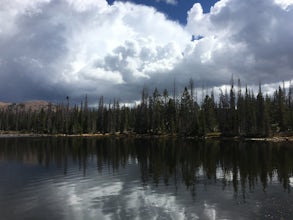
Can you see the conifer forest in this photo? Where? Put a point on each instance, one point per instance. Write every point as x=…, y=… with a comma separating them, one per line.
x=235, y=112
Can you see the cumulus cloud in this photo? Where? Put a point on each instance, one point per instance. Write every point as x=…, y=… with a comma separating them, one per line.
x=81, y=47
x=249, y=39
x=51, y=49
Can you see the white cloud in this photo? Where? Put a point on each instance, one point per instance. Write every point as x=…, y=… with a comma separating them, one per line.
x=82, y=5
x=284, y=3
x=77, y=47
x=158, y=204
x=171, y=2
x=11, y=10
x=248, y=39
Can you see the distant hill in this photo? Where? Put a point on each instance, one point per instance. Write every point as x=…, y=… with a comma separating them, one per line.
x=4, y=104
x=33, y=105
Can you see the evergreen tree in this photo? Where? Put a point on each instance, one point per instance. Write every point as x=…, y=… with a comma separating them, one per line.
x=233, y=114
x=156, y=107
x=208, y=110
x=279, y=108
x=233, y=127
x=240, y=110
x=260, y=113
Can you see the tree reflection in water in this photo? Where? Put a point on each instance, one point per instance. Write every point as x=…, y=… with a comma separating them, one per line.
x=163, y=160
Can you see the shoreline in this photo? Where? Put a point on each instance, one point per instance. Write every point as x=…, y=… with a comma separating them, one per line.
x=276, y=138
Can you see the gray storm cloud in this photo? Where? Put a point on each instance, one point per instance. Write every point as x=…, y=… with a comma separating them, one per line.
x=51, y=49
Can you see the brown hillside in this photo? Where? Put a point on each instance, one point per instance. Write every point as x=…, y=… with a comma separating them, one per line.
x=4, y=104
x=34, y=105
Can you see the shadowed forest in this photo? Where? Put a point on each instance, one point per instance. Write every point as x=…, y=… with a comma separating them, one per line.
x=236, y=112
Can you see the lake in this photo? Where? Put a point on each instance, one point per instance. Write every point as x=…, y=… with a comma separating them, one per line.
x=163, y=178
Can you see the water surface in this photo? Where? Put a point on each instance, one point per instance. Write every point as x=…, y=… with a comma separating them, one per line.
x=90, y=178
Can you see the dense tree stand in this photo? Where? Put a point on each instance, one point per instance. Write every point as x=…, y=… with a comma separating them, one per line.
x=234, y=114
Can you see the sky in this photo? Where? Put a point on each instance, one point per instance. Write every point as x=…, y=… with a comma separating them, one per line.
x=50, y=49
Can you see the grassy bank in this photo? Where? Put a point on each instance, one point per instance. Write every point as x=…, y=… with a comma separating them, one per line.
x=280, y=137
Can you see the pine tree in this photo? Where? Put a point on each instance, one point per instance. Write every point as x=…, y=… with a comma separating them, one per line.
x=240, y=110
x=279, y=109
x=223, y=113
x=185, y=113
x=232, y=115
x=208, y=110
x=260, y=113
x=290, y=107
x=156, y=112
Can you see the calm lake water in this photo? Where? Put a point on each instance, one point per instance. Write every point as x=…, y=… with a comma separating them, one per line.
x=89, y=178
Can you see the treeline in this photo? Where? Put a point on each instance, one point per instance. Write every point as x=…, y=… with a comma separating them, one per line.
x=236, y=112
